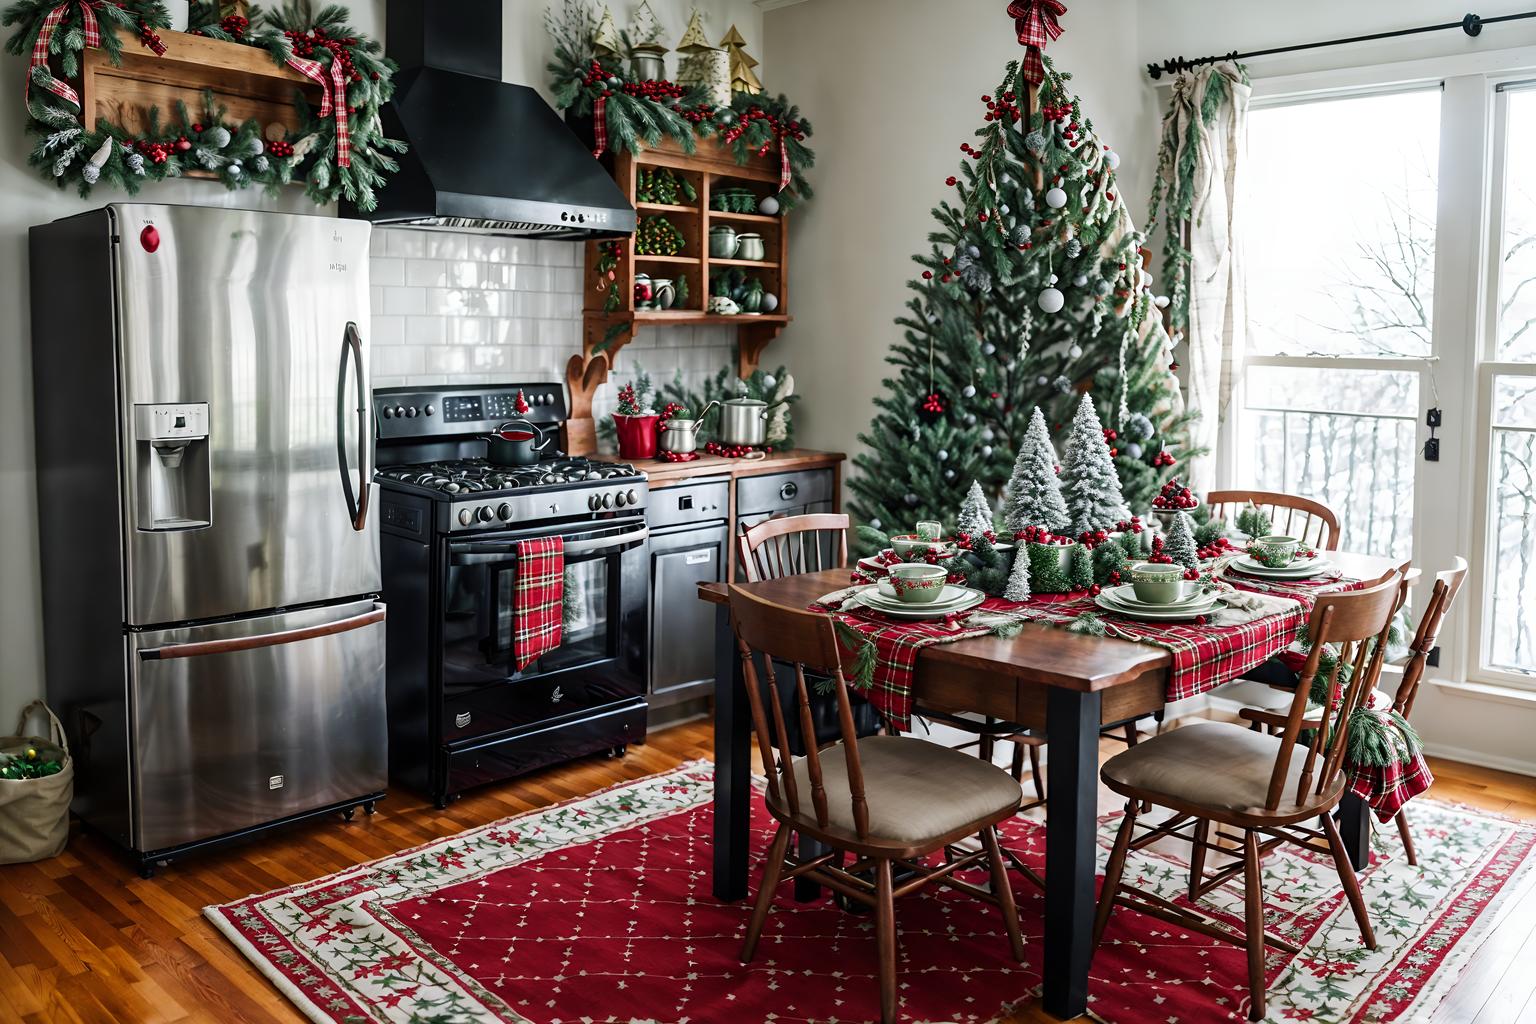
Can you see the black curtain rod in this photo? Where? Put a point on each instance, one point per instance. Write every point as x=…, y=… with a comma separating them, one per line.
x=1472, y=25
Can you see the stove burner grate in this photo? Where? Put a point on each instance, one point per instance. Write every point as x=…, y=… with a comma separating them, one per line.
x=475, y=476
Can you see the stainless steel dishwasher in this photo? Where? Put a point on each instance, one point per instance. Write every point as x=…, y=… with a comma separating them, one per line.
x=802, y=492
x=690, y=538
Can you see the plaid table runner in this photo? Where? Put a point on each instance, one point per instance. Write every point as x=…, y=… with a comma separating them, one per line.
x=537, y=598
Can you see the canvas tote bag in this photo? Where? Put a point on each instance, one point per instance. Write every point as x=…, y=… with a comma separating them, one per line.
x=34, y=813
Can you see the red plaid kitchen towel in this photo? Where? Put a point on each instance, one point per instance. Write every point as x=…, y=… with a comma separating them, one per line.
x=537, y=599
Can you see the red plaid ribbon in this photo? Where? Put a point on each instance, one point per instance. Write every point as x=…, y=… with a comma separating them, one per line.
x=783, y=165
x=1035, y=21
x=55, y=17
x=538, y=598
x=1388, y=788
x=333, y=100
x=600, y=126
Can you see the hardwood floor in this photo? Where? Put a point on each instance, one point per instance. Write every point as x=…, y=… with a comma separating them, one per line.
x=83, y=939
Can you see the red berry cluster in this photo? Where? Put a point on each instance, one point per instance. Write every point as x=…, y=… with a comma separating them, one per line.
x=1215, y=549
x=963, y=541
x=672, y=409
x=734, y=451
x=1056, y=111
x=1110, y=436
x=280, y=147
x=1175, y=496
x=1163, y=458
x=794, y=129
x=1039, y=535
x=889, y=557
x=306, y=43
x=149, y=38
x=679, y=456
x=697, y=115
x=1192, y=574
x=1131, y=525
x=1158, y=556
x=657, y=90
x=1092, y=538
x=933, y=403
x=235, y=25
x=955, y=577
x=1114, y=577
x=158, y=152
x=1003, y=107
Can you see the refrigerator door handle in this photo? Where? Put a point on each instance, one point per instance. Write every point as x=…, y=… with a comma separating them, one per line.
x=357, y=502
x=248, y=643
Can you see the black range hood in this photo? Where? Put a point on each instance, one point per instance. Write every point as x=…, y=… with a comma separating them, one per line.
x=485, y=155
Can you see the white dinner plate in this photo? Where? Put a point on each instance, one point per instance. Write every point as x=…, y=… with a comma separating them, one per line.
x=884, y=594
x=885, y=606
x=1125, y=593
x=1298, y=570
x=1109, y=604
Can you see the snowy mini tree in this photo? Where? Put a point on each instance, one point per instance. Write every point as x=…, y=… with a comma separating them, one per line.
x=1018, y=578
x=1180, y=545
x=1088, y=478
x=975, y=515
x=1034, y=492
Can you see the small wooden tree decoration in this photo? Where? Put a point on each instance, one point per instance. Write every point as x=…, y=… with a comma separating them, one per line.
x=605, y=38
x=647, y=54
x=743, y=78
x=704, y=65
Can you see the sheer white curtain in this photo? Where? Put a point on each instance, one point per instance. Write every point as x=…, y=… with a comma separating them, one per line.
x=1204, y=147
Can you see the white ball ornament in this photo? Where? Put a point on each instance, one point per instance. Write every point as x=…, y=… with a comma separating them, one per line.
x=1080, y=280
x=970, y=419
x=1075, y=351
x=768, y=206
x=875, y=524
x=769, y=380
x=1042, y=380
x=949, y=474
x=1055, y=197
x=770, y=302
x=987, y=434
x=988, y=349
x=1161, y=302
x=943, y=454
x=1051, y=300
x=969, y=391
x=986, y=451
x=1112, y=159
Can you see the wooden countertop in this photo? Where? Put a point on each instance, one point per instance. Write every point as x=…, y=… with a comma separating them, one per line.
x=667, y=474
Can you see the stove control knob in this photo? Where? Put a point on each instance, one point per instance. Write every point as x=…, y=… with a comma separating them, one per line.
x=633, y=500
x=594, y=502
x=429, y=410
x=466, y=516
x=607, y=501
x=410, y=413
x=389, y=413
x=399, y=410
x=504, y=512
x=620, y=500
x=485, y=514
x=549, y=398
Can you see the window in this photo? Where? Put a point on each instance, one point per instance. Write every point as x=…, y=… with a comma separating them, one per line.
x=1340, y=258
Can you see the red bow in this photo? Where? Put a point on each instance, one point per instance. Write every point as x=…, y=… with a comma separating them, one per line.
x=1035, y=21
x=54, y=18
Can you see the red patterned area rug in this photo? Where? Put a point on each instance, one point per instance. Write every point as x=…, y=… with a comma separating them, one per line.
x=599, y=910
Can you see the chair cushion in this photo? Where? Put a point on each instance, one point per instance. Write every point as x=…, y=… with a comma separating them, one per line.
x=916, y=791
x=1253, y=694
x=1214, y=765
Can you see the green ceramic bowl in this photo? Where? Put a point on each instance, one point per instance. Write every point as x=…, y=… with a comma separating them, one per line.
x=1157, y=583
x=917, y=584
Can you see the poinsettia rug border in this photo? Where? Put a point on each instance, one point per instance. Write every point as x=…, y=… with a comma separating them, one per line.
x=270, y=970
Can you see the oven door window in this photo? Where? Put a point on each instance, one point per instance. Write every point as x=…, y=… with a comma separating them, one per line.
x=480, y=611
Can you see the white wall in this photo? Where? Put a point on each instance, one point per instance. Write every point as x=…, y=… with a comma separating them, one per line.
x=892, y=89
x=26, y=200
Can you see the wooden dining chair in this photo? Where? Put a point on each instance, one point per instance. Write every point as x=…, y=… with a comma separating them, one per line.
x=1251, y=785
x=1447, y=586
x=889, y=801
x=1307, y=519
x=789, y=545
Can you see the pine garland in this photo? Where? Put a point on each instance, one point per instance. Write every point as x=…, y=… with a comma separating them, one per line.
x=237, y=153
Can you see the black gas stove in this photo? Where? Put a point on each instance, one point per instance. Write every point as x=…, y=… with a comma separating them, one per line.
x=451, y=521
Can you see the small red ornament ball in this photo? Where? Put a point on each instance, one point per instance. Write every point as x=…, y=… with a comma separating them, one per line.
x=1094, y=590
x=1201, y=620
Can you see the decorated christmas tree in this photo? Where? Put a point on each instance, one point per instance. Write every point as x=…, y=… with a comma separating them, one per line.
x=1089, y=482
x=1031, y=294
x=975, y=515
x=1180, y=545
x=1034, y=492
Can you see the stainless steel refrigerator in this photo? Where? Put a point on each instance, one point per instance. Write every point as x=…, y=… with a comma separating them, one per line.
x=210, y=562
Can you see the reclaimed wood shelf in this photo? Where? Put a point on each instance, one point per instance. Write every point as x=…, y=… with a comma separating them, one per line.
x=243, y=79
x=605, y=332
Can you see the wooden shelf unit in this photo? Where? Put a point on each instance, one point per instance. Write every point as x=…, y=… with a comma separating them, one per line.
x=605, y=333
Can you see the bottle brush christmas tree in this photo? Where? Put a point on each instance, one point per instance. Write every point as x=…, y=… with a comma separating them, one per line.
x=1031, y=293
x=1089, y=482
x=1034, y=492
x=1181, y=545
x=975, y=516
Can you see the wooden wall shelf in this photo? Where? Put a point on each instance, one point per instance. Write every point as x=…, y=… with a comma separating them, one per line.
x=242, y=78
x=605, y=332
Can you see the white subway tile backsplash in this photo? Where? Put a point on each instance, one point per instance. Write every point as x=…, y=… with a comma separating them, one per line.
x=464, y=308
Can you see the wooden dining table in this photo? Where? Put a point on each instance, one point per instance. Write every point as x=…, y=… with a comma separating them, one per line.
x=1066, y=684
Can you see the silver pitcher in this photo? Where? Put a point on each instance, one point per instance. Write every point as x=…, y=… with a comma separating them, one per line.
x=682, y=436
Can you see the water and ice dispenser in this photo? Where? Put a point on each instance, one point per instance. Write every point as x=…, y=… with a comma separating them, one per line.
x=172, y=481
